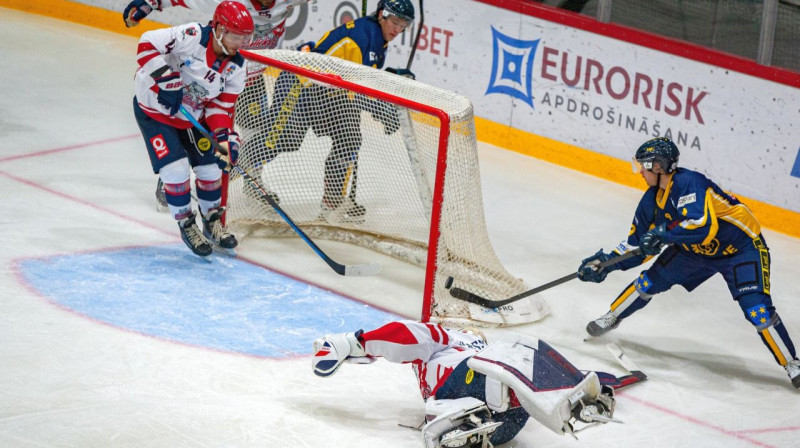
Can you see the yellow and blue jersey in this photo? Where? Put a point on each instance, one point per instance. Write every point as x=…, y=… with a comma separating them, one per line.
x=700, y=217
x=360, y=41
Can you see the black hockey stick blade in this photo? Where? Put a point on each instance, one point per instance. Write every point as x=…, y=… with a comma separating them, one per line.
x=365, y=269
x=467, y=296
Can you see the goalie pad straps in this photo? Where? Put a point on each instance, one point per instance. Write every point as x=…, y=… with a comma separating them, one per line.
x=497, y=397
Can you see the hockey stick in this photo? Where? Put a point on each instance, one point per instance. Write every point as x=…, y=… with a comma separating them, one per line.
x=341, y=269
x=467, y=296
x=636, y=375
x=419, y=32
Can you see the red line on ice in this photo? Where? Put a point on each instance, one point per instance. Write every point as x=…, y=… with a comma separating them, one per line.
x=68, y=148
x=735, y=434
x=81, y=201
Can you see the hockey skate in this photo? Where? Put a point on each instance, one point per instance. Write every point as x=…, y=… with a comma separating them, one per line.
x=587, y=413
x=474, y=431
x=346, y=211
x=332, y=350
x=161, y=197
x=603, y=324
x=353, y=211
x=327, y=212
x=193, y=238
x=217, y=234
x=455, y=423
x=793, y=370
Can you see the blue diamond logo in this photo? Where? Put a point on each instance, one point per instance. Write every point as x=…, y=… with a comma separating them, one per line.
x=512, y=66
x=796, y=167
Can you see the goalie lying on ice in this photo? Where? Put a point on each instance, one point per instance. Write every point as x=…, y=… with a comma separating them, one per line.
x=479, y=395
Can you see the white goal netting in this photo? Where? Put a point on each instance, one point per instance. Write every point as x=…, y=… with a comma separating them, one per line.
x=361, y=155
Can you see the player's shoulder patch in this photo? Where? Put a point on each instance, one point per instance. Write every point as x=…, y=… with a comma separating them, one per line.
x=191, y=29
x=238, y=60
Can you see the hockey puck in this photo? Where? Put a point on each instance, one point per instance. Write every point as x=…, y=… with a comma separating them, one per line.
x=448, y=283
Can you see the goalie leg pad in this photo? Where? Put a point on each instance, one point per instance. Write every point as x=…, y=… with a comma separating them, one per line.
x=548, y=387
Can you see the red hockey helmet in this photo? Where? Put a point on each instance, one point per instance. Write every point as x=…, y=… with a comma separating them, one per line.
x=234, y=17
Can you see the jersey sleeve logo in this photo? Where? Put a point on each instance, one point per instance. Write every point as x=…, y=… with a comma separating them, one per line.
x=686, y=200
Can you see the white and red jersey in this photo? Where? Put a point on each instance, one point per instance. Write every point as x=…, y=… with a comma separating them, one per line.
x=270, y=23
x=211, y=83
x=434, y=351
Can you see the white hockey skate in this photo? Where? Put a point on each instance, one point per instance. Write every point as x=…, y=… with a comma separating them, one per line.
x=349, y=211
x=456, y=423
x=793, y=370
x=603, y=324
x=591, y=412
x=474, y=431
x=352, y=211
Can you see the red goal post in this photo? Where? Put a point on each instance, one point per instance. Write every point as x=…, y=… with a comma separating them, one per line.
x=331, y=138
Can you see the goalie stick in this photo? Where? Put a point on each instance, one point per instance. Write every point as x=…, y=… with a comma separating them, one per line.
x=341, y=269
x=636, y=376
x=467, y=296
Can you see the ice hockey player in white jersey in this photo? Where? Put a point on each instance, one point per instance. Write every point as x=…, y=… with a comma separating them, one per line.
x=476, y=394
x=198, y=69
x=269, y=19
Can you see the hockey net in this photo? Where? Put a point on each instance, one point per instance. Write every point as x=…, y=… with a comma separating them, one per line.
x=375, y=159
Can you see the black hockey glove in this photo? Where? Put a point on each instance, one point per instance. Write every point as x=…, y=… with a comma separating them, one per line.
x=384, y=112
x=170, y=89
x=138, y=10
x=387, y=114
x=589, y=272
x=229, y=140
x=652, y=241
x=402, y=72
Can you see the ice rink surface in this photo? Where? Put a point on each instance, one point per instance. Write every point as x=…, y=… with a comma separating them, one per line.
x=113, y=335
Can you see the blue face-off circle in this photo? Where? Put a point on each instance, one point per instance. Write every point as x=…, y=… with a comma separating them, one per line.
x=228, y=304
